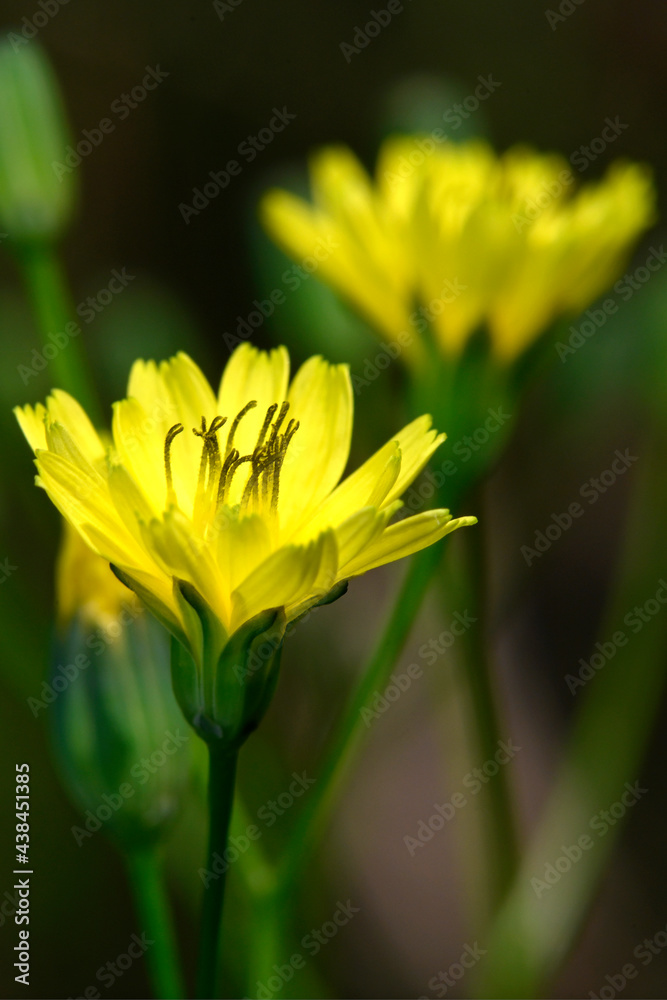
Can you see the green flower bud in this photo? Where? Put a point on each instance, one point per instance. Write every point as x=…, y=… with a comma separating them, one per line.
x=35, y=205
x=119, y=734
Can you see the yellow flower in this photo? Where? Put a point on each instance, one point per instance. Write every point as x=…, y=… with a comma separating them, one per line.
x=453, y=237
x=235, y=498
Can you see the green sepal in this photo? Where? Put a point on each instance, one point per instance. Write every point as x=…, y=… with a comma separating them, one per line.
x=247, y=673
x=186, y=680
x=338, y=590
x=225, y=693
x=194, y=607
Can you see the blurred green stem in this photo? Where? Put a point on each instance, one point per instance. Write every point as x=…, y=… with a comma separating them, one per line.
x=221, y=780
x=469, y=587
x=48, y=292
x=316, y=813
x=154, y=912
x=258, y=875
x=539, y=921
x=275, y=905
x=268, y=936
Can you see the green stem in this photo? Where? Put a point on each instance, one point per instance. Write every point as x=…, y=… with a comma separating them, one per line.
x=154, y=913
x=267, y=947
x=222, y=775
x=502, y=846
x=347, y=739
x=55, y=315
x=257, y=875
x=539, y=922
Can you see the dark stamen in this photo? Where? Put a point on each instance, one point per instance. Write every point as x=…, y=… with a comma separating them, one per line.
x=210, y=455
x=222, y=482
x=233, y=467
x=282, y=443
x=265, y=426
x=276, y=427
x=237, y=420
x=171, y=434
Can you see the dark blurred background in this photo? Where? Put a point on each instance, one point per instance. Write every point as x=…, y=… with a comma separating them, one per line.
x=228, y=69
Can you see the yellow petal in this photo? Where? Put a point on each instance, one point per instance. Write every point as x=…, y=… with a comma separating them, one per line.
x=415, y=444
x=84, y=501
x=139, y=443
x=31, y=422
x=327, y=573
x=129, y=500
x=156, y=583
x=181, y=554
x=285, y=579
x=60, y=442
x=366, y=275
x=358, y=531
x=406, y=537
x=147, y=386
x=65, y=410
x=243, y=542
x=320, y=398
x=251, y=374
x=193, y=398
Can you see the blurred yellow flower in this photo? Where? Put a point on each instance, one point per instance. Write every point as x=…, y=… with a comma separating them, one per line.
x=85, y=585
x=237, y=494
x=453, y=237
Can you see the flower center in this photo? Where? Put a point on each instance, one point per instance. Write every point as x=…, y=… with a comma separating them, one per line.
x=217, y=471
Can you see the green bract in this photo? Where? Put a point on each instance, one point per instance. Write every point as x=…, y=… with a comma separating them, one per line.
x=35, y=205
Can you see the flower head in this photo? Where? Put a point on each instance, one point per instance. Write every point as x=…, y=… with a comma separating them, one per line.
x=219, y=509
x=454, y=237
